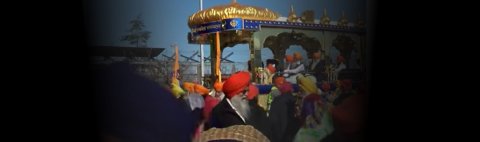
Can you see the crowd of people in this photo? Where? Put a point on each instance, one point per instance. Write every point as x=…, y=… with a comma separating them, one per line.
x=134, y=108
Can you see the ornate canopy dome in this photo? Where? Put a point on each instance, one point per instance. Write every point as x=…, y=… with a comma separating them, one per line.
x=232, y=10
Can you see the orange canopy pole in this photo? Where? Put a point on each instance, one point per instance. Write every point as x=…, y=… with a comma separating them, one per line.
x=217, y=45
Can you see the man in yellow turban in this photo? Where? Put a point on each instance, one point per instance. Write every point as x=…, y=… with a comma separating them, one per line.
x=313, y=112
x=177, y=91
x=307, y=85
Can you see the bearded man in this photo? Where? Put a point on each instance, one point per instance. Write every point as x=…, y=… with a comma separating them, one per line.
x=234, y=109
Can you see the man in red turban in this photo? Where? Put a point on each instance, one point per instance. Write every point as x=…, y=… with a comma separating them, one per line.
x=239, y=107
x=234, y=108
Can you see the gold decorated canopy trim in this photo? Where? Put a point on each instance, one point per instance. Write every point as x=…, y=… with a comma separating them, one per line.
x=232, y=10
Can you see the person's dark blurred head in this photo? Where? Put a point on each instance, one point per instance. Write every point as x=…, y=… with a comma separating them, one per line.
x=133, y=108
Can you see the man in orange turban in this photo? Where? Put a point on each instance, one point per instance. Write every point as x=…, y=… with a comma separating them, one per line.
x=234, y=108
x=294, y=68
x=201, y=89
x=189, y=87
x=193, y=97
x=218, y=87
x=288, y=61
x=289, y=58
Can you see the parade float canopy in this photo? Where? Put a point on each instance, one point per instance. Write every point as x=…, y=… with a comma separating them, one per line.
x=228, y=25
x=232, y=10
x=237, y=17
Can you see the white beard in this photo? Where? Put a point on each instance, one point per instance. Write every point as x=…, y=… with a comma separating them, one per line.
x=241, y=105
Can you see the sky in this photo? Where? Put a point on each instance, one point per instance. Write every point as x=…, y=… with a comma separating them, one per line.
x=108, y=20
